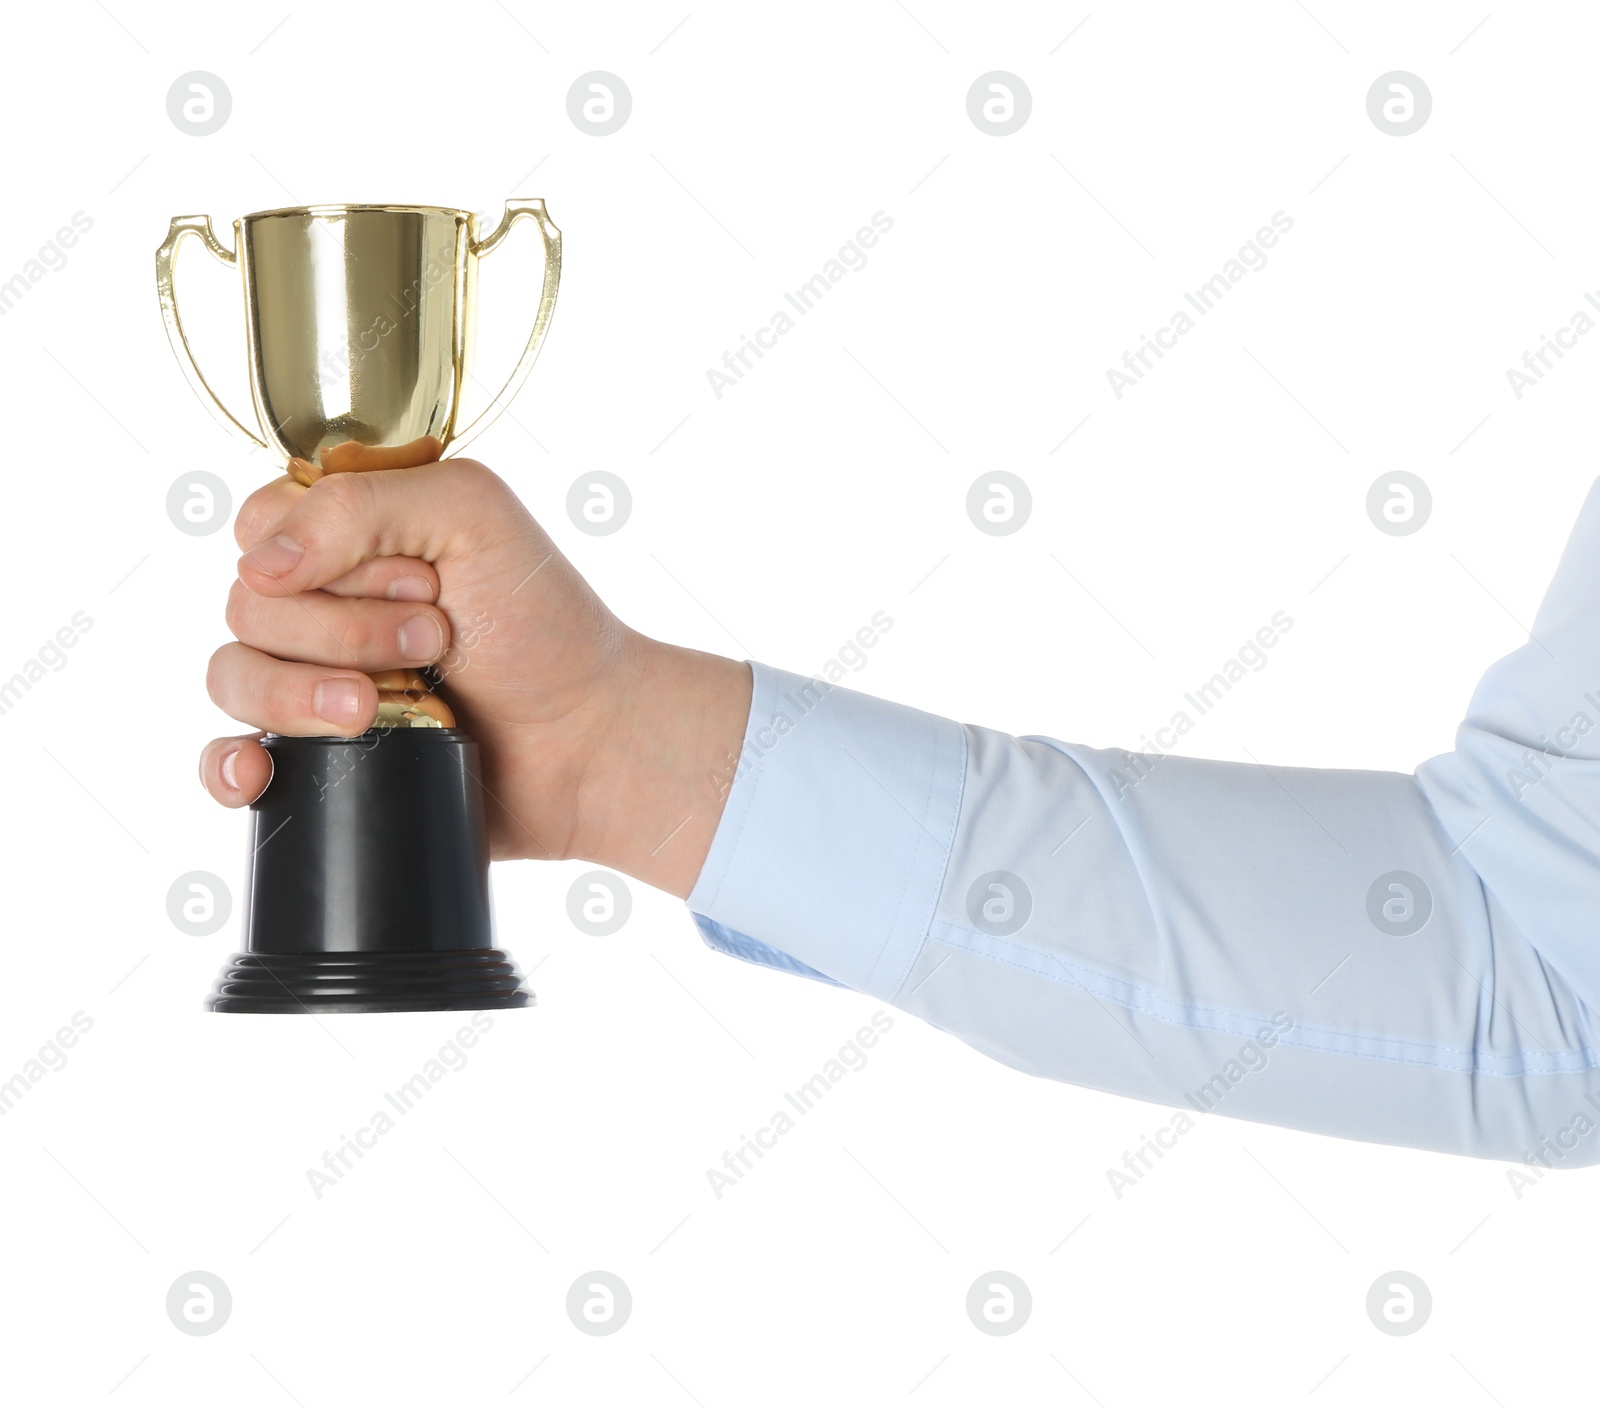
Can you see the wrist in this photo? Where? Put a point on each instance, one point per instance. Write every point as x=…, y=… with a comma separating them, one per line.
x=653, y=791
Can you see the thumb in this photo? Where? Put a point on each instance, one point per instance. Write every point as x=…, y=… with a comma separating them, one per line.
x=429, y=511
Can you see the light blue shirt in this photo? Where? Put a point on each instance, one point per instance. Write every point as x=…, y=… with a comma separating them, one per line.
x=1412, y=959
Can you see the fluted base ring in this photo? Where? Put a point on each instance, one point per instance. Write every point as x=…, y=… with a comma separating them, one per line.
x=449, y=980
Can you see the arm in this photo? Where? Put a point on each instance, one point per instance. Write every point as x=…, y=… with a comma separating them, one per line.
x=1194, y=933
x=1405, y=959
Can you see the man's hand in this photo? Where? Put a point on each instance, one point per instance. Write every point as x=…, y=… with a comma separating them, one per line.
x=598, y=743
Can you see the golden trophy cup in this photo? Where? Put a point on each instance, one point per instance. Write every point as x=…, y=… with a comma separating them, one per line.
x=368, y=882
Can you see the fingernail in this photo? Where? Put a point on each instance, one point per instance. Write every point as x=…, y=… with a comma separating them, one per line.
x=275, y=556
x=410, y=589
x=230, y=769
x=337, y=701
x=421, y=639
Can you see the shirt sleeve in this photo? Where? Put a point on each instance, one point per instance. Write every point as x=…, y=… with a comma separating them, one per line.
x=1404, y=959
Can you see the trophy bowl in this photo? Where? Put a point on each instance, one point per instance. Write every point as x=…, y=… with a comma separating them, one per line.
x=367, y=887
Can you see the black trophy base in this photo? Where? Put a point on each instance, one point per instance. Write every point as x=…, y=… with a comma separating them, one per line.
x=368, y=884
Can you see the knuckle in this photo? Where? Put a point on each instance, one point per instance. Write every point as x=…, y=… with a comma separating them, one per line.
x=218, y=673
x=357, y=635
x=478, y=479
x=338, y=496
x=248, y=522
x=290, y=695
x=237, y=612
x=330, y=507
x=338, y=517
x=261, y=510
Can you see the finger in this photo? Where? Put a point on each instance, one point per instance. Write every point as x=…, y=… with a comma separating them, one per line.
x=235, y=771
x=282, y=696
x=389, y=579
x=352, y=633
x=345, y=519
x=261, y=513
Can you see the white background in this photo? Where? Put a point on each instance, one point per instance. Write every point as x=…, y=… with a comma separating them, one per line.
x=828, y=484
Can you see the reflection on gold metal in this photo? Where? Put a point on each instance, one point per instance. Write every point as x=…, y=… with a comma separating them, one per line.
x=352, y=458
x=406, y=701
x=358, y=327
x=397, y=710
x=402, y=681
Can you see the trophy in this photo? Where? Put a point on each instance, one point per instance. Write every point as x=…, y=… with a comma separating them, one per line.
x=368, y=880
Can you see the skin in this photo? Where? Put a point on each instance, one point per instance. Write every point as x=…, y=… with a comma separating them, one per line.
x=598, y=743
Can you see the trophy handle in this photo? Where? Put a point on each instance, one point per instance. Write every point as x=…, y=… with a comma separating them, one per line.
x=181, y=226
x=515, y=210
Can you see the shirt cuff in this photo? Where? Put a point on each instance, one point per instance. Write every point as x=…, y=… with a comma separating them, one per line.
x=835, y=836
